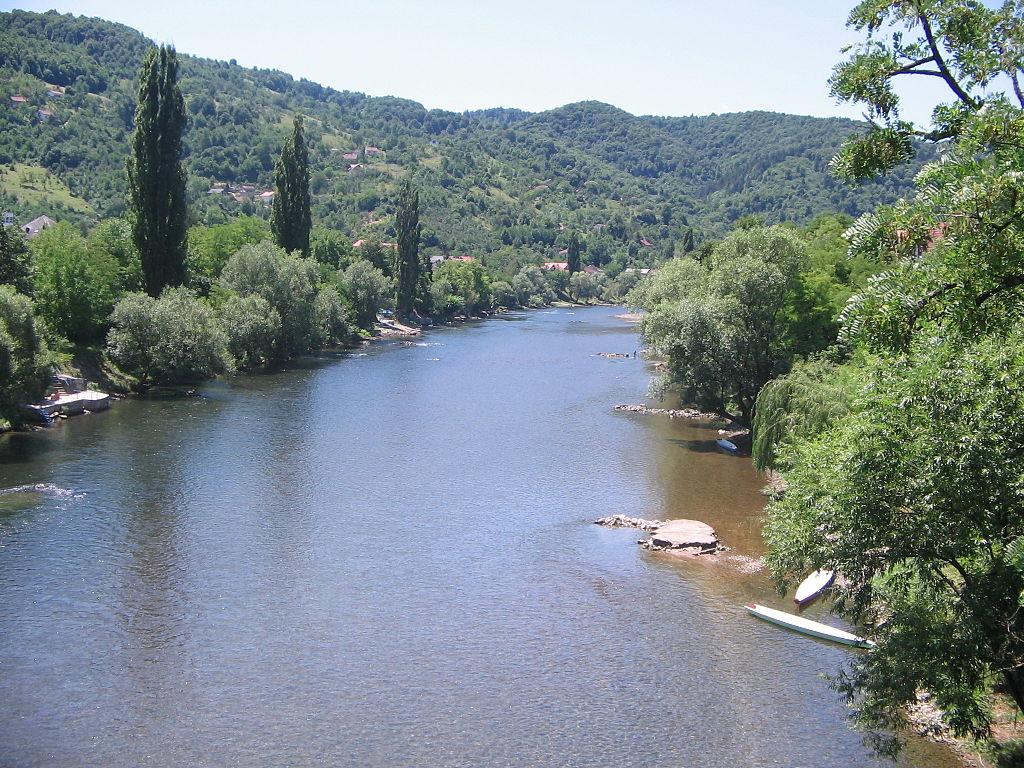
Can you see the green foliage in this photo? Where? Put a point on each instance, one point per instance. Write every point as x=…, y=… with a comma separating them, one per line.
x=24, y=358
x=812, y=397
x=252, y=327
x=330, y=319
x=726, y=328
x=531, y=289
x=310, y=316
x=210, y=247
x=369, y=291
x=965, y=45
x=502, y=294
x=173, y=339
x=584, y=287
x=916, y=498
x=461, y=287
x=957, y=248
x=156, y=176
x=573, y=253
x=75, y=287
x=332, y=248
x=617, y=290
x=915, y=494
x=113, y=237
x=376, y=253
x=408, y=267
x=290, y=218
x=15, y=266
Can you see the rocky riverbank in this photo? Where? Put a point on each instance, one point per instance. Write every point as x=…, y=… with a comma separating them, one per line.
x=674, y=413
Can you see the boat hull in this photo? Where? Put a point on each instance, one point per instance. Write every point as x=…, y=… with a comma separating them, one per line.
x=808, y=627
x=813, y=585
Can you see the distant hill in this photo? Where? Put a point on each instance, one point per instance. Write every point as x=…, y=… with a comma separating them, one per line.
x=491, y=179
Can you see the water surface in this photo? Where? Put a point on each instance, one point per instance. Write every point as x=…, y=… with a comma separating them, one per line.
x=386, y=559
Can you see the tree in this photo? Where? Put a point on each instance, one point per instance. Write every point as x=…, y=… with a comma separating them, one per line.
x=461, y=287
x=310, y=316
x=290, y=218
x=585, y=287
x=331, y=247
x=209, y=247
x=75, y=287
x=156, y=179
x=530, y=287
x=24, y=358
x=369, y=290
x=113, y=237
x=916, y=498
x=15, y=266
x=375, y=253
x=573, y=253
x=915, y=494
x=812, y=397
x=173, y=339
x=726, y=329
x=253, y=328
x=965, y=45
x=956, y=250
x=408, y=266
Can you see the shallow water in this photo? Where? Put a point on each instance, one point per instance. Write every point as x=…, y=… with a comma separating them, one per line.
x=386, y=559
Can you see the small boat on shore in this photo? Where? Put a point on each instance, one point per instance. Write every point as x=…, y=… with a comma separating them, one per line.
x=726, y=445
x=808, y=627
x=813, y=585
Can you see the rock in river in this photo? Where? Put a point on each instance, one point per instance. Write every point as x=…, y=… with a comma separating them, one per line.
x=684, y=534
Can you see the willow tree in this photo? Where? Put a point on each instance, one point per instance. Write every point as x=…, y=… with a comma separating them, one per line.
x=156, y=178
x=408, y=267
x=290, y=218
x=726, y=327
x=799, y=406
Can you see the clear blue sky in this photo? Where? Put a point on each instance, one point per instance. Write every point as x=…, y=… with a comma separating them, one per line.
x=660, y=57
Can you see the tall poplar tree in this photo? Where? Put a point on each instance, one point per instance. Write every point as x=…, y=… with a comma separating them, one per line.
x=290, y=219
x=156, y=177
x=573, y=254
x=408, y=267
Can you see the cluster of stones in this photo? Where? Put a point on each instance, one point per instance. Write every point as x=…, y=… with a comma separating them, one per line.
x=682, y=413
x=624, y=521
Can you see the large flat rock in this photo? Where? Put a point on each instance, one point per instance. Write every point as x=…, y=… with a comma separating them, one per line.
x=674, y=534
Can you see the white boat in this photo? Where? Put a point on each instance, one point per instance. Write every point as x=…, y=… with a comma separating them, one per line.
x=813, y=585
x=726, y=445
x=808, y=627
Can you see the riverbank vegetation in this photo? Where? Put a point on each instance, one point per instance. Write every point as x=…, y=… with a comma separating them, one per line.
x=172, y=304
x=897, y=422
x=133, y=148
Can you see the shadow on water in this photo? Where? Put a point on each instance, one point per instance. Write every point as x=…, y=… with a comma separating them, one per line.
x=26, y=447
x=697, y=446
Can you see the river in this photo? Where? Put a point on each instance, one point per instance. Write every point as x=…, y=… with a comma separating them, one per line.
x=386, y=559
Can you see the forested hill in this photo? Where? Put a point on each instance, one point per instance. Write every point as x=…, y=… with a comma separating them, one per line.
x=490, y=179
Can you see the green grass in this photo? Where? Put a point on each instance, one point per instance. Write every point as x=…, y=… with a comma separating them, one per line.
x=36, y=186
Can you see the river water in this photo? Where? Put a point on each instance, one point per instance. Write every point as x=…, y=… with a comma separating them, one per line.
x=386, y=559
